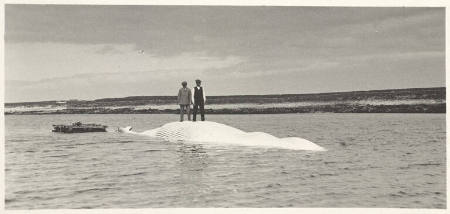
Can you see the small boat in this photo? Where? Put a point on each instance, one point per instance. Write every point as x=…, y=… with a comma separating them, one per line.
x=79, y=127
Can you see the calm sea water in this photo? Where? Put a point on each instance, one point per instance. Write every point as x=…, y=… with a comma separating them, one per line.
x=373, y=160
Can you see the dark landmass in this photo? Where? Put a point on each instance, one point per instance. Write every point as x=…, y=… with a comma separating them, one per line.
x=432, y=100
x=340, y=108
x=392, y=94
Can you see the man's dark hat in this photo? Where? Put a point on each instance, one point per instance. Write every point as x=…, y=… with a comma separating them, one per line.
x=197, y=80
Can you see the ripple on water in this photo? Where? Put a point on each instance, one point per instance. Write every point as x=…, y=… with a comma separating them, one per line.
x=382, y=160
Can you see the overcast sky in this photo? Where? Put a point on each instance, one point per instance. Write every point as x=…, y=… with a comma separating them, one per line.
x=89, y=52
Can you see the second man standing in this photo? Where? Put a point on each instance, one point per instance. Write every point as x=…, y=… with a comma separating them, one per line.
x=199, y=99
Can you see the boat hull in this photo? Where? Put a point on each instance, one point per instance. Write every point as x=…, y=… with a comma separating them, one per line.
x=80, y=128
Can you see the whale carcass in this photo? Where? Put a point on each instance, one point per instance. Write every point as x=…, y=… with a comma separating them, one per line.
x=208, y=132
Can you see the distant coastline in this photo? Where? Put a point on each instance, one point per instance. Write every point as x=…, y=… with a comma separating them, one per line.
x=413, y=100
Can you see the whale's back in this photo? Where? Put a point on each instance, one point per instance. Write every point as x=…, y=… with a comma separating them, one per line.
x=194, y=131
x=217, y=133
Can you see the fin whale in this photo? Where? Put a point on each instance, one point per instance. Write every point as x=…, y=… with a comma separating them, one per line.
x=208, y=132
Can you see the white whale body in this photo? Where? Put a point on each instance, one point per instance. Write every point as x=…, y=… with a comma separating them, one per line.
x=217, y=133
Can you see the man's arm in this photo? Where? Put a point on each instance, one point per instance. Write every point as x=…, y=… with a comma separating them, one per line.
x=179, y=96
x=190, y=95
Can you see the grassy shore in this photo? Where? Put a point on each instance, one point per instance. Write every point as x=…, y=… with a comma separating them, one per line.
x=414, y=100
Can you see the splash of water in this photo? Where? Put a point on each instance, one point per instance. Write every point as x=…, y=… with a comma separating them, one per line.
x=208, y=132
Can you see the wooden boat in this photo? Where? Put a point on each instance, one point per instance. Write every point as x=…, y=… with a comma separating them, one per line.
x=79, y=127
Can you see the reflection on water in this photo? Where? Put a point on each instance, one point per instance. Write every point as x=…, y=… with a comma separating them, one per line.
x=192, y=157
x=373, y=160
x=192, y=161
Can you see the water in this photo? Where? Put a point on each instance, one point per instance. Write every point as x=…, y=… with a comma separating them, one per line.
x=373, y=160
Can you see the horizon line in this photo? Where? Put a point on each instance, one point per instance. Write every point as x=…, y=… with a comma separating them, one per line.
x=230, y=95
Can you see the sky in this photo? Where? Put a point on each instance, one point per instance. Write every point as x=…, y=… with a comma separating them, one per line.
x=61, y=52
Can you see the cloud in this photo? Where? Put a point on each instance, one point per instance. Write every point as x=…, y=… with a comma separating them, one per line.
x=371, y=71
x=37, y=61
x=110, y=51
x=57, y=70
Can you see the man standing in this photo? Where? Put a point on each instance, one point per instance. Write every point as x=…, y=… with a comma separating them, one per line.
x=184, y=100
x=199, y=99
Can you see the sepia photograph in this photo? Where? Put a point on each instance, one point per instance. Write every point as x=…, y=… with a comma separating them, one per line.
x=224, y=106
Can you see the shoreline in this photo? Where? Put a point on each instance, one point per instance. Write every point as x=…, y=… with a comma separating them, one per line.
x=413, y=100
x=421, y=108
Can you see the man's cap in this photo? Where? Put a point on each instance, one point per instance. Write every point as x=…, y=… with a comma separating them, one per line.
x=184, y=83
x=197, y=80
